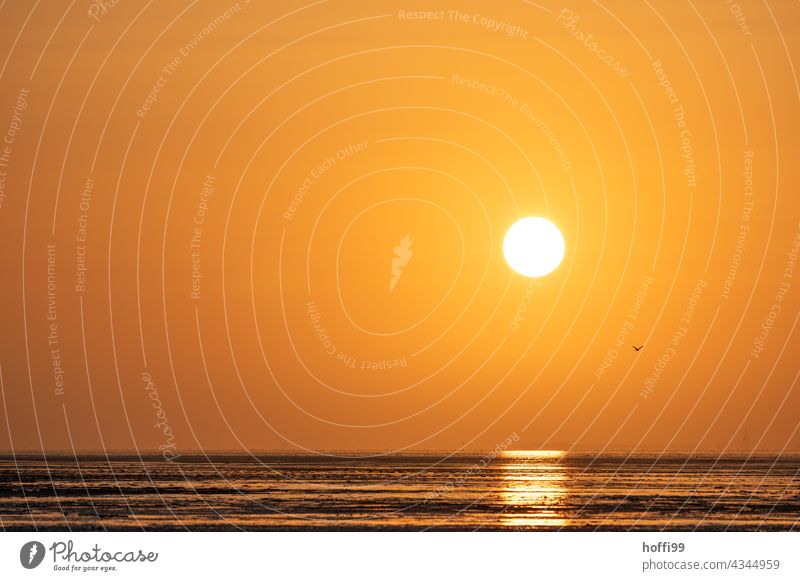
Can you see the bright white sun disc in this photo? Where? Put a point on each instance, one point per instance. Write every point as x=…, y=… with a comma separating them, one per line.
x=533, y=247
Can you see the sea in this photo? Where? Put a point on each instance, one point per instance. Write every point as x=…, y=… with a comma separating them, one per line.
x=513, y=491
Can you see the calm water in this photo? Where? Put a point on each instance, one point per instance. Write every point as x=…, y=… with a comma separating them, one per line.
x=518, y=491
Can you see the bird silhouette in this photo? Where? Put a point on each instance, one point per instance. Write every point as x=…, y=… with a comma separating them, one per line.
x=635, y=348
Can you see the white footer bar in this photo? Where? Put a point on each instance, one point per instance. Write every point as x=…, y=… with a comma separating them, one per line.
x=400, y=556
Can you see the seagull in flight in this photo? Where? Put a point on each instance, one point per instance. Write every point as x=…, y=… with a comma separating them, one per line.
x=635, y=348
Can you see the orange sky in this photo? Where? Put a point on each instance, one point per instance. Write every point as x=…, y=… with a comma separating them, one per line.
x=200, y=202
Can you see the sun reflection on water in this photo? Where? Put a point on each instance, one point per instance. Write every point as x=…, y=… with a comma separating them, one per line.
x=533, y=489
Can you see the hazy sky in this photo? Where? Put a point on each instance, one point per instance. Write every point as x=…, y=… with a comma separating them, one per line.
x=234, y=225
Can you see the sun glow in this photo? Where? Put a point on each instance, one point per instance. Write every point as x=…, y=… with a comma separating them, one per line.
x=533, y=247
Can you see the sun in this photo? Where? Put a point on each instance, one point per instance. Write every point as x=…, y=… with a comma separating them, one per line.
x=533, y=247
